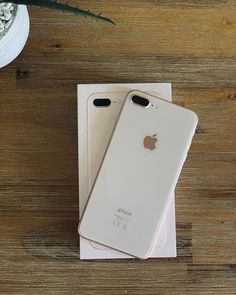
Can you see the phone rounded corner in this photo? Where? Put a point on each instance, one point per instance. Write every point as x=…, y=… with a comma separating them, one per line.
x=145, y=255
x=91, y=96
x=195, y=117
x=133, y=92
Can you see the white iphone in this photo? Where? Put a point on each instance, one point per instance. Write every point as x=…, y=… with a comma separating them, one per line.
x=138, y=174
x=102, y=113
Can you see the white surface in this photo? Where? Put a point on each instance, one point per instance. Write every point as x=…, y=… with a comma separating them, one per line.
x=14, y=41
x=165, y=245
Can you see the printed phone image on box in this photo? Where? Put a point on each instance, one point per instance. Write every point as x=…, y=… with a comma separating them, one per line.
x=95, y=125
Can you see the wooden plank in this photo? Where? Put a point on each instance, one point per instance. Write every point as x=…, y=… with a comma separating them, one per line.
x=189, y=43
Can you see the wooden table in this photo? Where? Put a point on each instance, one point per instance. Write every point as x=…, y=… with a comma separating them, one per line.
x=192, y=45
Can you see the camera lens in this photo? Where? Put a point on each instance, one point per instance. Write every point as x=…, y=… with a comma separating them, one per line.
x=140, y=100
x=102, y=102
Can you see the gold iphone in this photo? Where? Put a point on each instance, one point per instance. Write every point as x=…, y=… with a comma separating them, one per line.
x=138, y=174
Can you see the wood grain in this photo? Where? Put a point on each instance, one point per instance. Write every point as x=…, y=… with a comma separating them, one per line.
x=189, y=43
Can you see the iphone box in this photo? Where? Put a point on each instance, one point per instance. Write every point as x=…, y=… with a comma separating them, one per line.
x=95, y=126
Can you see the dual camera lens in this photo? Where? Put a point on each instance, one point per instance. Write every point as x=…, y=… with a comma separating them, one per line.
x=105, y=102
x=140, y=100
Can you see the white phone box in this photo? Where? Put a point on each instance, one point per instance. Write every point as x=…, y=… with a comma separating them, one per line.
x=165, y=245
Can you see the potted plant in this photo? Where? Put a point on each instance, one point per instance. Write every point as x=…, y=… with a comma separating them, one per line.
x=14, y=24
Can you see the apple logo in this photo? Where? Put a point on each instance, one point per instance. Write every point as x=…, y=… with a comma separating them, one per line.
x=149, y=142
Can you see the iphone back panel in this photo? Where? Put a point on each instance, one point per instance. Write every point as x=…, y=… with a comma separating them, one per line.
x=101, y=121
x=138, y=174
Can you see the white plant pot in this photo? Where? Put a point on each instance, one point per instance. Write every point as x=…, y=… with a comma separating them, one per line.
x=12, y=43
